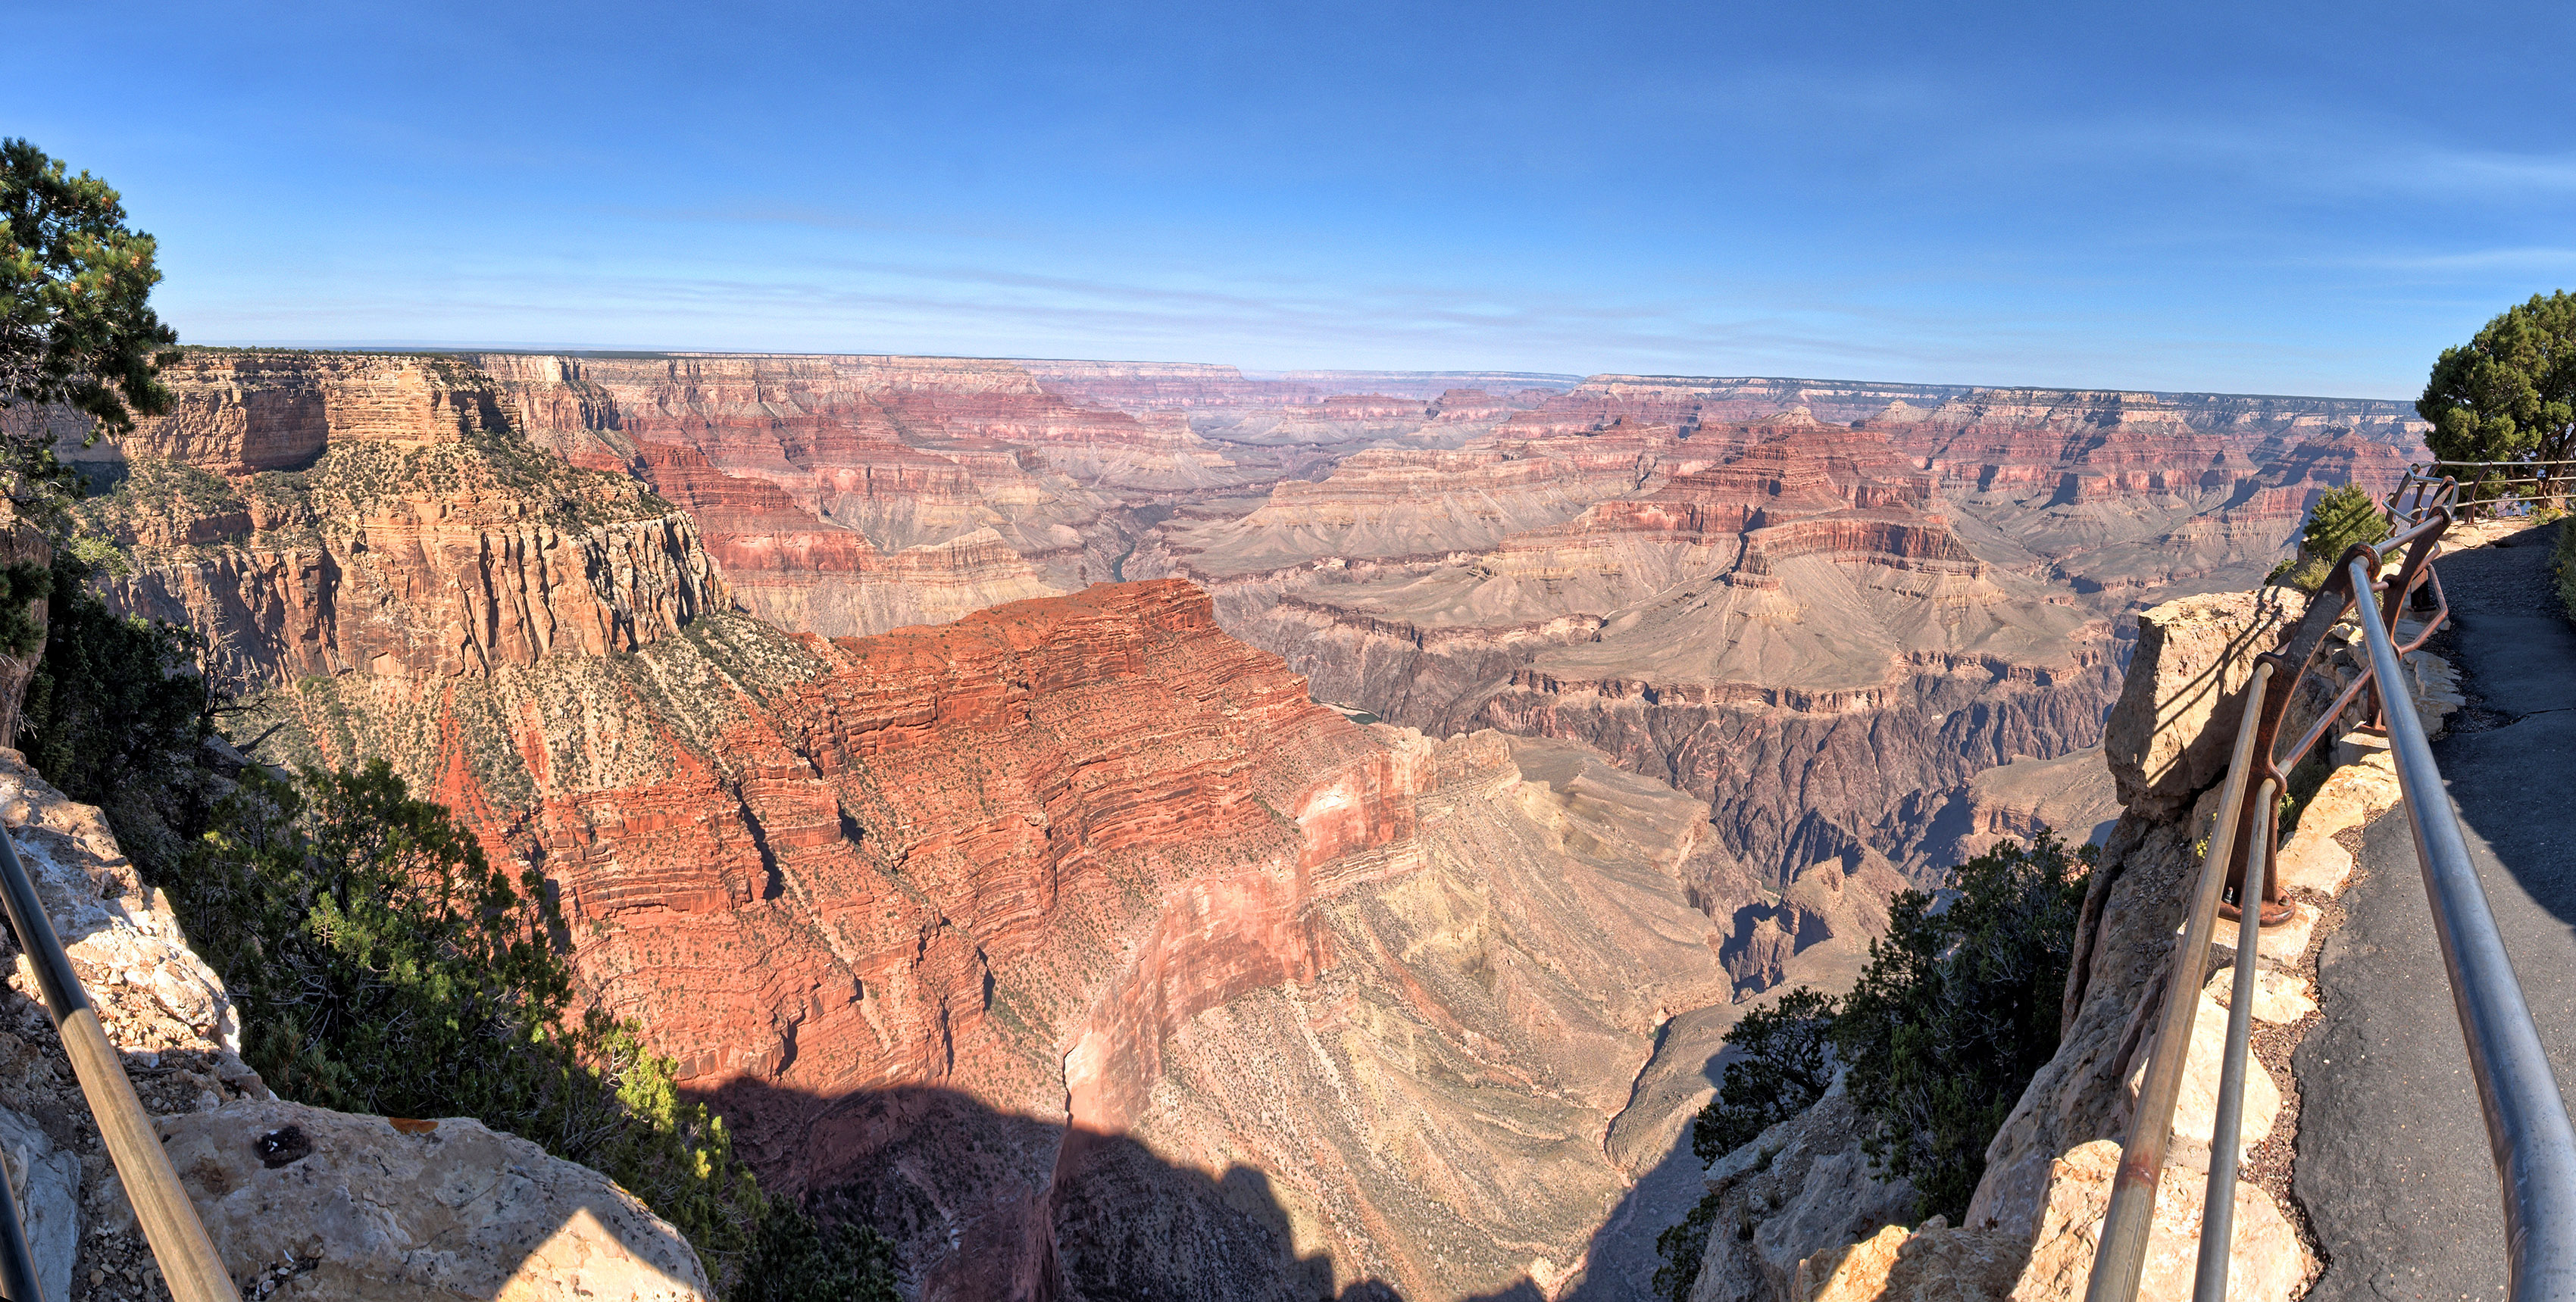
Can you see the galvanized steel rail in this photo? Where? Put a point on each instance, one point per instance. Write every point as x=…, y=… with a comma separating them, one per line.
x=2528, y=1134
x=2532, y=1142
x=189, y=1264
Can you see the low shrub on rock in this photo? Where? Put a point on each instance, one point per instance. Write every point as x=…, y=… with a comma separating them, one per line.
x=1957, y=1010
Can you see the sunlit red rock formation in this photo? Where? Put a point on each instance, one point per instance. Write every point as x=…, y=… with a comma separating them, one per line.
x=1010, y=934
x=1088, y=862
x=1064, y=937
x=431, y=541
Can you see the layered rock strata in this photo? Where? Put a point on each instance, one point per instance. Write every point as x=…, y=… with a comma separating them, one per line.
x=1775, y=616
x=1089, y=862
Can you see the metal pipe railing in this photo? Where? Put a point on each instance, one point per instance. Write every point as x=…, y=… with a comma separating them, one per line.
x=18, y=1281
x=2557, y=476
x=2528, y=1135
x=189, y=1264
x=2122, y=1253
x=2218, y=1210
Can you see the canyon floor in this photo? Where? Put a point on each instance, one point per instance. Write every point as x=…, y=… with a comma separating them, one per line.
x=1136, y=828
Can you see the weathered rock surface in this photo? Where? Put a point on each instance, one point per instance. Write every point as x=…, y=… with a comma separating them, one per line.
x=431, y=1210
x=1803, y=1188
x=2170, y=734
x=45, y=1181
x=402, y=555
x=1934, y=1262
x=2072, y=795
x=2267, y=1262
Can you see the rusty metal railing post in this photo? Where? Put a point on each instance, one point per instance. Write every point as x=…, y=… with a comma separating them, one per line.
x=189, y=1264
x=2122, y=1249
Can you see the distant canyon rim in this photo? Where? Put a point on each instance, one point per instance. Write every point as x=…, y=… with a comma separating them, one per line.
x=1123, y=825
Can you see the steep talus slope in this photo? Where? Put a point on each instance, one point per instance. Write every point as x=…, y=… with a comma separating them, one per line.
x=1011, y=935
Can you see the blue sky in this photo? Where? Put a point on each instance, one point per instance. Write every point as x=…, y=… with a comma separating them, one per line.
x=2245, y=197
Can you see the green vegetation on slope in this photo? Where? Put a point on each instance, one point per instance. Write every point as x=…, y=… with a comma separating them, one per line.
x=2565, y=568
x=380, y=963
x=1955, y=1013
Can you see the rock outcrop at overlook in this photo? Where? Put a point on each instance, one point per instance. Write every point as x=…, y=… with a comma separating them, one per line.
x=367, y=1210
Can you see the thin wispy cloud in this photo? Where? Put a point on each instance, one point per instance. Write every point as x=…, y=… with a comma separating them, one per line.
x=2197, y=197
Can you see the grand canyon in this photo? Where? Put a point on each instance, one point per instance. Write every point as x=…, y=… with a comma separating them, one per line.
x=1130, y=829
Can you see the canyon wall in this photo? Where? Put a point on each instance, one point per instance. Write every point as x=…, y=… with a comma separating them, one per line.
x=1010, y=935
x=1044, y=924
x=1824, y=606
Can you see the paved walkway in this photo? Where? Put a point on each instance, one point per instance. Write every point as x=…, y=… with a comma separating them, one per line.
x=2392, y=1161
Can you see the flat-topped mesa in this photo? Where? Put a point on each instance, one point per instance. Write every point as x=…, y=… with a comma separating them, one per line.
x=1145, y=386
x=1201, y=388
x=235, y=413
x=421, y=535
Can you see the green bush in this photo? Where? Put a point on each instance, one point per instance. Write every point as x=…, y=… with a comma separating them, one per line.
x=798, y=1260
x=2341, y=518
x=1786, y=1065
x=111, y=698
x=1683, y=1247
x=1957, y=1010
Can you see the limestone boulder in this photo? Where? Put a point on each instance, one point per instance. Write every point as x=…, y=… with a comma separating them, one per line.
x=2266, y=1262
x=1933, y=1264
x=2280, y=998
x=2168, y=736
x=1803, y=1187
x=2195, y=1118
x=305, y=1202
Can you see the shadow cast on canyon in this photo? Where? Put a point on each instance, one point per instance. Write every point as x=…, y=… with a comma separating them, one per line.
x=1620, y=1262
x=986, y=1204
